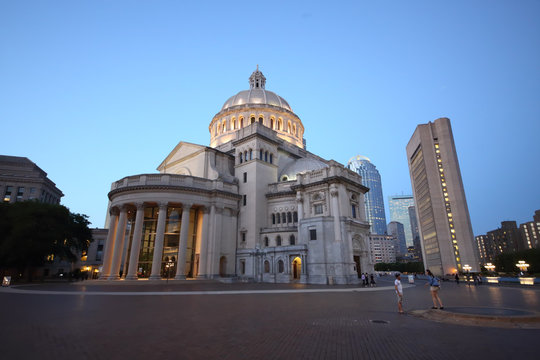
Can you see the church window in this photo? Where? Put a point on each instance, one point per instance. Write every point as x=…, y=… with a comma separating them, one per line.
x=283, y=218
x=224, y=126
x=273, y=219
x=289, y=130
x=245, y=200
x=294, y=129
x=234, y=123
x=354, y=211
x=272, y=123
x=252, y=119
x=245, y=155
x=278, y=218
x=266, y=156
x=318, y=209
x=243, y=266
x=245, y=177
x=271, y=159
x=284, y=178
x=244, y=236
x=266, y=243
x=266, y=266
x=295, y=216
x=279, y=124
x=292, y=240
x=280, y=266
x=241, y=160
x=250, y=154
x=278, y=240
x=260, y=154
x=241, y=122
x=261, y=120
x=289, y=217
x=313, y=234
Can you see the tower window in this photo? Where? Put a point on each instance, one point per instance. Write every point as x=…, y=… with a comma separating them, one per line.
x=245, y=177
x=245, y=200
x=312, y=234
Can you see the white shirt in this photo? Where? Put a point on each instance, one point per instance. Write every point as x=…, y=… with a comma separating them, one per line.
x=399, y=288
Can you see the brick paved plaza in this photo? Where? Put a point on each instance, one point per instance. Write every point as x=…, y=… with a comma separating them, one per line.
x=210, y=320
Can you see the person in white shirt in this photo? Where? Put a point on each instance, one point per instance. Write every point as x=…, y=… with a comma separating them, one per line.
x=399, y=293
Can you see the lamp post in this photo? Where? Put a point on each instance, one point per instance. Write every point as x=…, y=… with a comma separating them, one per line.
x=168, y=266
x=522, y=265
x=490, y=267
x=467, y=268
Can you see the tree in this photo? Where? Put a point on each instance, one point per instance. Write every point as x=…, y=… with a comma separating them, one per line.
x=31, y=231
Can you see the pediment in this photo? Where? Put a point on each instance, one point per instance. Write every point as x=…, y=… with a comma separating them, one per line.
x=182, y=151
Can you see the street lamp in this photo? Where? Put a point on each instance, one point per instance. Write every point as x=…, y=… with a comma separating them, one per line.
x=490, y=267
x=168, y=266
x=467, y=268
x=522, y=265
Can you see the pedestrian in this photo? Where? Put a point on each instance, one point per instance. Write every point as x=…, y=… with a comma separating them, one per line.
x=457, y=278
x=367, y=280
x=363, y=279
x=434, y=287
x=399, y=292
x=372, y=280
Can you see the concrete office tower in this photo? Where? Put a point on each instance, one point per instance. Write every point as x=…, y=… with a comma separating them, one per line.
x=397, y=230
x=443, y=216
x=399, y=211
x=374, y=200
x=530, y=232
x=415, y=233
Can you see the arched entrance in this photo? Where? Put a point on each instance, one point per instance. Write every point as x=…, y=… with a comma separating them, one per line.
x=296, y=267
x=223, y=266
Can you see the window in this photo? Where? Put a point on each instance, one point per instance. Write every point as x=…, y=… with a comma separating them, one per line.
x=246, y=155
x=20, y=193
x=289, y=217
x=280, y=266
x=273, y=218
x=266, y=266
x=260, y=119
x=278, y=240
x=278, y=218
x=243, y=236
x=272, y=123
x=252, y=119
x=240, y=158
x=241, y=122
x=266, y=241
x=250, y=154
x=283, y=218
x=7, y=194
x=284, y=178
x=245, y=177
x=242, y=267
x=260, y=154
x=312, y=234
x=292, y=240
x=354, y=211
x=271, y=159
x=318, y=209
x=266, y=156
x=245, y=199
x=295, y=216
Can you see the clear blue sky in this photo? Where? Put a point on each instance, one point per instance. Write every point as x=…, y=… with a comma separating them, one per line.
x=93, y=91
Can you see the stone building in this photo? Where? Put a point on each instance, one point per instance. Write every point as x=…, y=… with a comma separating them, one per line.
x=253, y=205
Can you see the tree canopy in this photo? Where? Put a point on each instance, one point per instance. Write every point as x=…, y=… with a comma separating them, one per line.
x=31, y=231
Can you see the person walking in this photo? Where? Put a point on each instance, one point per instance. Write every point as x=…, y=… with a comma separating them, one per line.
x=372, y=283
x=457, y=278
x=399, y=293
x=363, y=279
x=434, y=287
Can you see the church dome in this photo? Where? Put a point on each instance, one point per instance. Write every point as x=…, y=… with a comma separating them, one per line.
x=257, y=94
x=299, y=166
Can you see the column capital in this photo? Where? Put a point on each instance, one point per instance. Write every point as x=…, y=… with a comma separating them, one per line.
x=139, y=206
x=333, y=190
x=299, y=197
x=186, y=206
x=163, y=205
x=113, y=211
x=219, y=209
x=205, y=209
x=124, y=208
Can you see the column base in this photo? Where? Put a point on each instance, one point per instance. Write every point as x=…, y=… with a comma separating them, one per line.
x=104, y=277
x=132, y=277
x=114, y=277
x=154, y=277
x=202, y=277
x=180, y=277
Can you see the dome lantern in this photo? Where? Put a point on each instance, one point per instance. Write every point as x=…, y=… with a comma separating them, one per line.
x=257, y=80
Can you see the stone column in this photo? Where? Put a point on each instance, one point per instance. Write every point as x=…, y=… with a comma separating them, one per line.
x=300, y=205
x=119, y=244
x=214, y=243
x=335, y=211
x=136, y=243
x=158, y=243
x=203, y=254
x=182, y=244
x=109, y=245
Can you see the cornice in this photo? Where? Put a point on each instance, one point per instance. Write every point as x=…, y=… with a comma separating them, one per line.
x=162, y=188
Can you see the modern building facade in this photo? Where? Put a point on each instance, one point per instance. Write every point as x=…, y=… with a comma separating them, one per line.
x=374, y=199
x=441, y=207
x=530, y=232
x=399, y=211
x=417, y=247
x=396, y=229
x=21, y=179
x=254, y=205
x=382, y=248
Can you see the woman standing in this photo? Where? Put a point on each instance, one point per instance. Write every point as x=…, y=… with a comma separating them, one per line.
x=434, y=287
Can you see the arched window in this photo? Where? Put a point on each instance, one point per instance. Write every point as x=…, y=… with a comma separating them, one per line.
x=250, y=154
x=278, y=240
x=266, y=156
x=283, y=218
x=295, y=216
x=261, y=120
x=289, y=129
x=294, y=129
x=273, y=218
x=245, y=156
x=292, y=240
x=266, y=266
x=261, y=154
x=266, y=241
x=289, y=217
x=252, y=119
x=278, y=218
x=240, y=158
x=234, y=123
x=279, y=124
x=241, y=123
x=280, y=266
x=284, y=178
x=224, y=126
x=271, y=159
x=354, y=211
x=272, y=123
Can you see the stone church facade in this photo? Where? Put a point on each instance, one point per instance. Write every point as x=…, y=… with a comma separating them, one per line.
x=254, y=205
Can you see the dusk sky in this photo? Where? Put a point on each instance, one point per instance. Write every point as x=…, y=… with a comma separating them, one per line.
x=93, y=91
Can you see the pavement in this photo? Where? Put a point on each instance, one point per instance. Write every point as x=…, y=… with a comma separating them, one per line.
x=212, y=320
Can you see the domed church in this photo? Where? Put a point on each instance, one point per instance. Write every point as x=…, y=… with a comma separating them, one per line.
x=255, y=205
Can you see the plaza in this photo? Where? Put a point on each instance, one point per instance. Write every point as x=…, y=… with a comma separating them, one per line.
x=212, y=320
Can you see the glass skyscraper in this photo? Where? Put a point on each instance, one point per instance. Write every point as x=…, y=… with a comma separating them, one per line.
x=399, y=211
x=374, y=200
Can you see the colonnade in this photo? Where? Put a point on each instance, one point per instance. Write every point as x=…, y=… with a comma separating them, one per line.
x=209, y=246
